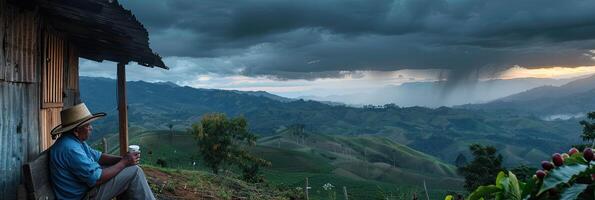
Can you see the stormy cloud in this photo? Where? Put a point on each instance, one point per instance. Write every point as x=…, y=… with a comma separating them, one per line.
x=314, y=38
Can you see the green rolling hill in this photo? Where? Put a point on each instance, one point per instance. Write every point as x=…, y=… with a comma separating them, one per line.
x=369, y=166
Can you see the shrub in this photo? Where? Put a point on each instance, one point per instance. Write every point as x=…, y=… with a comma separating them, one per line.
x=224, y=141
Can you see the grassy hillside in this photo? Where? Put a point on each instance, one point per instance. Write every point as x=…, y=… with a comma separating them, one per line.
x=362, y=162
x=370, y=167
x=168, y=183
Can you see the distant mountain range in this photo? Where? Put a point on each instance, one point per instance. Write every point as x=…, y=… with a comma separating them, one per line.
x=441, y=93
x=442, y=132
x=570, y=100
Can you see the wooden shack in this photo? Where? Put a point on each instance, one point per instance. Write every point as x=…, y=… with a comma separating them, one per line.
x=41, y=42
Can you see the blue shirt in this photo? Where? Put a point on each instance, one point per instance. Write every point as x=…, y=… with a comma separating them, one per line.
x=74, y=167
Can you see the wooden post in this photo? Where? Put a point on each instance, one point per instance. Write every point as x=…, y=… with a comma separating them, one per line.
x=366, y=162
x=122, y=108
x=426, y=189
x=306, y=189
x=104, y=142
x=345, y=193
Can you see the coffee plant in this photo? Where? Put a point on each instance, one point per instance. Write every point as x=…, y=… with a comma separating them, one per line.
x=567, y=176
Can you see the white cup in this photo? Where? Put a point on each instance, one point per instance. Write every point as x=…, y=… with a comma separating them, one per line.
x=134, y=148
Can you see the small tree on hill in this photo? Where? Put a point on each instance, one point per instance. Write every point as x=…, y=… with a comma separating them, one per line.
x=224, y=141
x=589, y=129
x=250, y=167
x=483, y=169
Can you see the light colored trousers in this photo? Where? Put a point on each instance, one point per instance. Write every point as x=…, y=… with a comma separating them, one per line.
x=130, y=183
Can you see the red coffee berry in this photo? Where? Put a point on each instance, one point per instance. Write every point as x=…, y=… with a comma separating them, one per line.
x=540, y=174
x=557, y=159
x=547, y=165
x=588, y=154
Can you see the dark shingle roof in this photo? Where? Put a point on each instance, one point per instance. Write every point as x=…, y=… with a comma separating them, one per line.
x=101, y=30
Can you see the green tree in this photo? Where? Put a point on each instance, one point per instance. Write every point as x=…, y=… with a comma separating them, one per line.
x=250, y=167
x=523, y=172
x=224, y=141
x=483, y=169
x=589, y=129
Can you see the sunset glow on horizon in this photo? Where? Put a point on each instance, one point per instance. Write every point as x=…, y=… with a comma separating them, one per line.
x=547, y=72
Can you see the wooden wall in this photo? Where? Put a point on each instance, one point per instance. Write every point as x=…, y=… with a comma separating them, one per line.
x=38, y=77
x=20, y=40
x=52, y=85
x=19, y=95
x=71, y=78
x=52, y=70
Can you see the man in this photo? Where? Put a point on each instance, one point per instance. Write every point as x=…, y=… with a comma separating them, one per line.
x=80, y=172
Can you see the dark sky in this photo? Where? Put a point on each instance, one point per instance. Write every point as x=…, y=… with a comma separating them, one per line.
x=308, y=39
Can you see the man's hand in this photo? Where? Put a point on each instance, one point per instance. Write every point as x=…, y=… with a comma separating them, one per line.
x=132, y=158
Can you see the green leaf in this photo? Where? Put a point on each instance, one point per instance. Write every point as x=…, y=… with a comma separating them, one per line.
x=514, y=192
x=576, y=158
x=501, y=180
x=483, y=191
x=448, y=197
x=573, y=192
x=559, y=175
x=528, y=188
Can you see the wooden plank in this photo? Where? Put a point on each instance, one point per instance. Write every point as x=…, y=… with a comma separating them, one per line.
x=53, y=104
x=49, y=68
x=53, y=70
x=73, y=68
x=52, y=78
x=63, y=60
x=37, y=178
x=56, y=78
x=49, y=118
x=53, y=75
x=43, y=124
x=122, y=108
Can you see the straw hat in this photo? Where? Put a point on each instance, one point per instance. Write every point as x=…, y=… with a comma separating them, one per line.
x=73, y=117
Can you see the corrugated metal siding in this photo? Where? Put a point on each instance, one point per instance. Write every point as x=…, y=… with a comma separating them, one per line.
x=20, y=44
x=19, y=105
x=19, y=95
x=53, y=70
